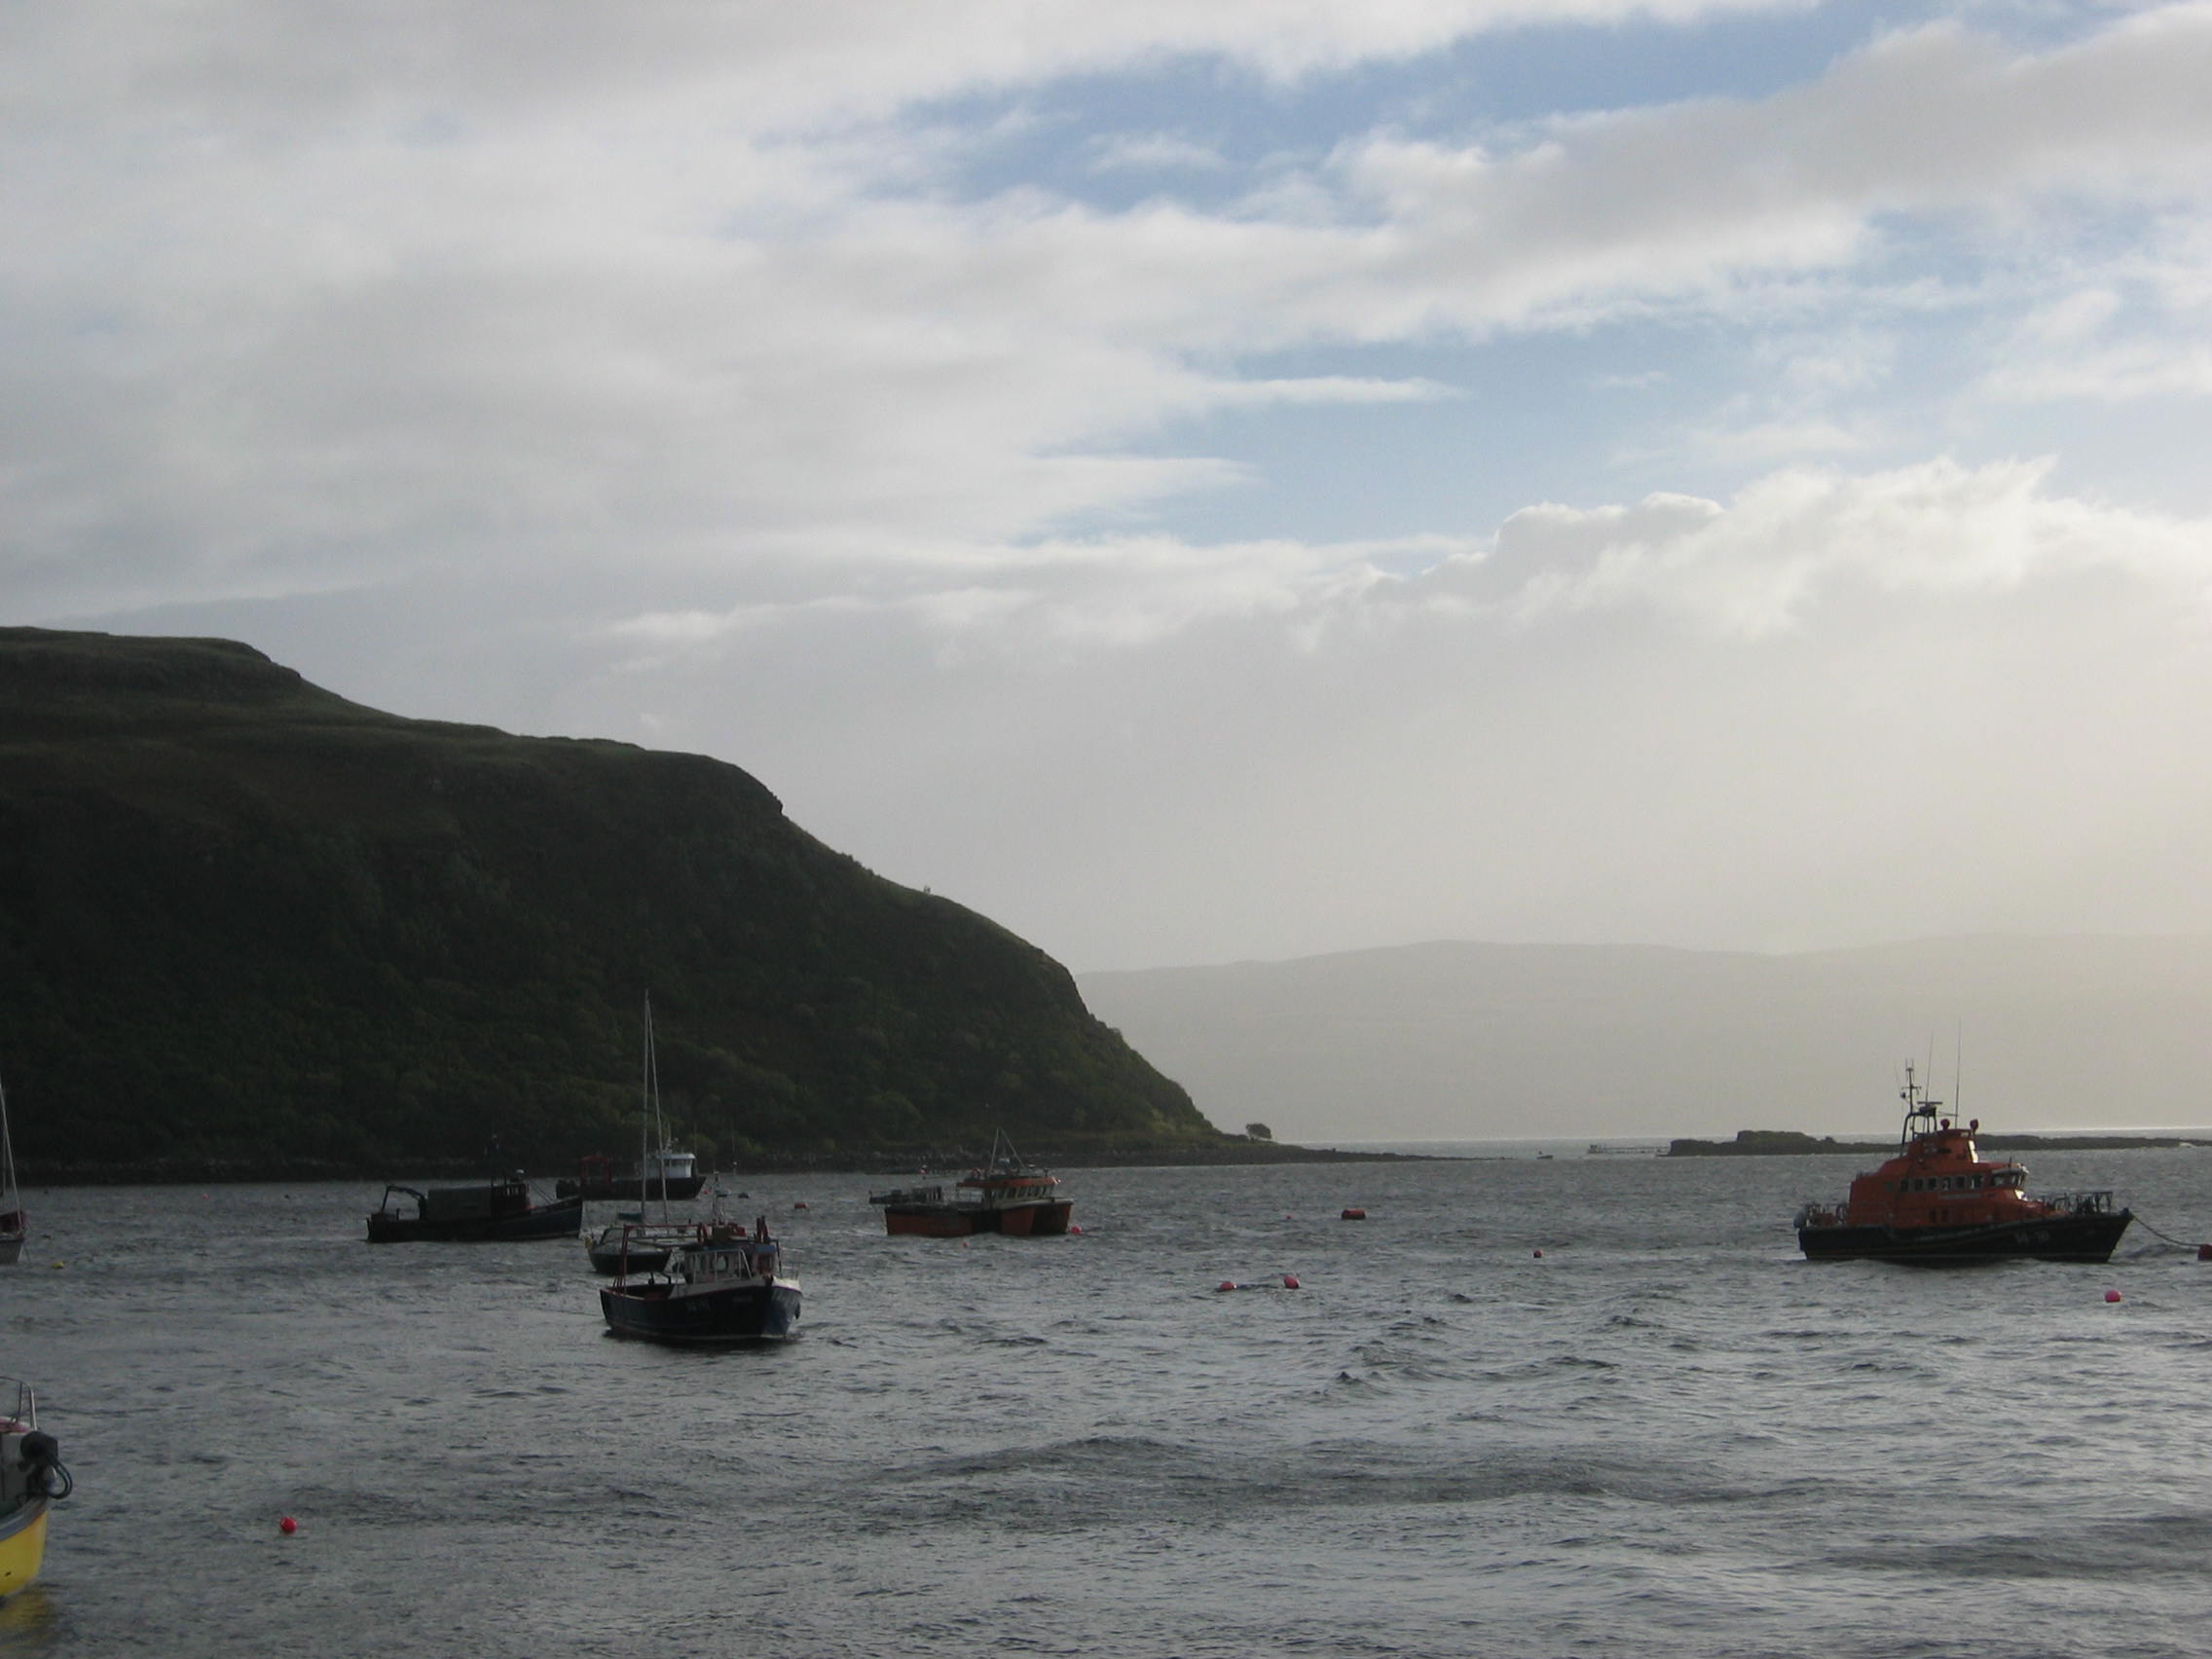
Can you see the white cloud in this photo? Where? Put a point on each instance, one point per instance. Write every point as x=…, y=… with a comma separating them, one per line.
x=575, y=315
x=426, y=69
x=666, y=372
x=1763, y=563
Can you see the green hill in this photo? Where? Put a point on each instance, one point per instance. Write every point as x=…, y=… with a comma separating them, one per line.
x=249, y=927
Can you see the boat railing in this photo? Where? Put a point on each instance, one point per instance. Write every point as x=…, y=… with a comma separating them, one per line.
x=1818, y=1215
x=19, y=1403
x=2080, y=1203
x=909, y=1196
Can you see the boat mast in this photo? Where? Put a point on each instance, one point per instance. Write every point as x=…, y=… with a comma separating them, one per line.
x=646, y=1092
x=7, y=1157
x=1917, y=1109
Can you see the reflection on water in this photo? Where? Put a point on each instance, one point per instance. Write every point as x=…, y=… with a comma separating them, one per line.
x=28, y=1613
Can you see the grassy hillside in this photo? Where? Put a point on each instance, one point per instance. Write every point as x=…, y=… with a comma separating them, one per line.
x=246, y=925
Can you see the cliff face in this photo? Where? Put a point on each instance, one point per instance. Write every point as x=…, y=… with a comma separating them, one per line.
x=244, y=923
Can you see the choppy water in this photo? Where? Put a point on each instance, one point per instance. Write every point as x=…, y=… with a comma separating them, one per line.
x=1664, y=1436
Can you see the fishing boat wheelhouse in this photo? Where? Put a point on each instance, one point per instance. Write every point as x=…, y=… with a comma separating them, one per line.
x=1940, y=1200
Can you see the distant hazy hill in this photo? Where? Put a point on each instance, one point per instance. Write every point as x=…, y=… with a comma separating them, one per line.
x=1472, y=1041
x=245, y=922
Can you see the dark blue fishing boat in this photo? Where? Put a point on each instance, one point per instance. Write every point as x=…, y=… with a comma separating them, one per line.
x=722, y=1285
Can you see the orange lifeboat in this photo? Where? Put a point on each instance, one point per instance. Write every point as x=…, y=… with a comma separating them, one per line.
x=1940, y=1200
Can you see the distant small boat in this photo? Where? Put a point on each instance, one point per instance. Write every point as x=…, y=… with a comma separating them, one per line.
x=722, y=1285
x=628, y=1244
x=498, y=1210
x=32, y=1480
x=1939, y=1200
x=1004, y=1196
x=14, y=1227
x=664, y=1170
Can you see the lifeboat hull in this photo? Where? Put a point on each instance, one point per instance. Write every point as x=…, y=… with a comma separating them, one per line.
x=2043, y=1239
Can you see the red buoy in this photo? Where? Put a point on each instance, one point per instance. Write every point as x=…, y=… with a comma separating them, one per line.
x=286, y=1524
x=1539, y=1255
x=1354, y=1215
x=1225, y=1285
x=1075, y=1231
x=2205, y=1252
x=1290, y=1282
x=2112, y=1296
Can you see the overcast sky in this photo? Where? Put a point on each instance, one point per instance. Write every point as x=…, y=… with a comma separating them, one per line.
x=1194, y=481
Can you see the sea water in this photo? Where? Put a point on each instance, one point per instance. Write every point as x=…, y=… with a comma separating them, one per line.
x=1574, y=1405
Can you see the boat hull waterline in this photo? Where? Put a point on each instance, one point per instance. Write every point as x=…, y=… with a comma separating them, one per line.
x=960, y=1220
x=2058, y=1239
x=661, y=1312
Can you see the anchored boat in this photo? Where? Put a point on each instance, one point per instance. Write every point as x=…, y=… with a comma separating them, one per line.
x=500, y=1210
x=722, y=1285
x=1004, y=1196
x=665, y=1170
x=1940, y=1200
x=32, y=1480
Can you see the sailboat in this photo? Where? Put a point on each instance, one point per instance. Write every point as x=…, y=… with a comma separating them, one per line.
x=662, y=1166
x=14, y=1229
x=632, y=1244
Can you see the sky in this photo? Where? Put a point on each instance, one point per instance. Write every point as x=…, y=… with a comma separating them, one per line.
x=1196, y=482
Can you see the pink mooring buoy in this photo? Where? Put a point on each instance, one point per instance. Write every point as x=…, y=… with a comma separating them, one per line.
x=1290, y=1282
x=2112, y=1296
x=1225, y=1285
x=1539, y=1255
x=286, y=1524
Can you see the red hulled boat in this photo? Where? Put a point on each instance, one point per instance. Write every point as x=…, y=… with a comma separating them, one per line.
x=1940, y=1200
x=1004, y=1196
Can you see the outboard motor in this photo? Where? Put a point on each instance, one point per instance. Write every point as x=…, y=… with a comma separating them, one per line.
x=33, y=1465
